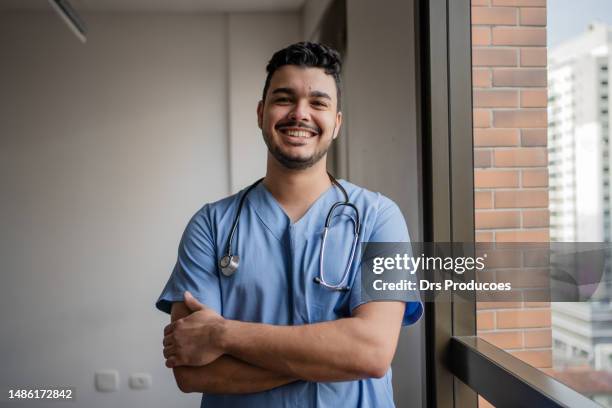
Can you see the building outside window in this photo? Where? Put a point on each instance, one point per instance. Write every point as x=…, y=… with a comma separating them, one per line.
x=542, y=172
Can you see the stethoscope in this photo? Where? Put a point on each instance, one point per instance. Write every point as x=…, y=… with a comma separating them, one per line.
x=230, y=261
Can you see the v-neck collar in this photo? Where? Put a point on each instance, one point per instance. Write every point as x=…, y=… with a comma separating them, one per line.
x=274, y=217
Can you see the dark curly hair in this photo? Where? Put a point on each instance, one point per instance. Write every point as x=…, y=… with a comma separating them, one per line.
x=306, y=54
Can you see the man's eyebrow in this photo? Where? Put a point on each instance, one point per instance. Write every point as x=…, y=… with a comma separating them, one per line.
x=319, y=94
x=313, y=94
x=283, y=90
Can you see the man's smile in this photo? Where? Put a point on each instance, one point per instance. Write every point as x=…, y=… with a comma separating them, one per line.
x=297, y=136
x=298, y=132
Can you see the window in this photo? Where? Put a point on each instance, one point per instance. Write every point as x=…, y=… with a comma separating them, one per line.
x=534, y=188
x=522, y=192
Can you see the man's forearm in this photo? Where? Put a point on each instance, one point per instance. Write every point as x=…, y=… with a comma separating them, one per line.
x=228, y=375
x=225, y=375
x=339, y=350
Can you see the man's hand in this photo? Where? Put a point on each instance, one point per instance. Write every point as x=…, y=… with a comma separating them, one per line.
x=193, y=340
x=225, y=375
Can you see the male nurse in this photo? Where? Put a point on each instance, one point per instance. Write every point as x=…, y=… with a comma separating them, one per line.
x=271, y=332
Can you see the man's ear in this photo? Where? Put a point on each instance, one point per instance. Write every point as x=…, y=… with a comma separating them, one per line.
x=338, y=124
x=260, y=114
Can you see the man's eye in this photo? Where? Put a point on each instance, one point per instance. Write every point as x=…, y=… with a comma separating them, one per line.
x=282, y=100
x=320, y=104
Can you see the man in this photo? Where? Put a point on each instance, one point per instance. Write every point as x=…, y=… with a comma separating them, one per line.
x=281, y=329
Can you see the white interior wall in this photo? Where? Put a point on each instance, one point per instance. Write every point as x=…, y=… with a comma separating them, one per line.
x=312, y=13
x=382, y=102
x=106, y=150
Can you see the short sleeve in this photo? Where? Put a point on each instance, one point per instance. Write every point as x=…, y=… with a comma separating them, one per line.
x=196, y=268
x=389, y=226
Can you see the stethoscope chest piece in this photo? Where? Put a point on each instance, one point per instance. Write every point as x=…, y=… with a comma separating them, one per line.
x=229, y=264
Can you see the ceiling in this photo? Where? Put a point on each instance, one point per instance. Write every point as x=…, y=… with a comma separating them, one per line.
x=160, y=6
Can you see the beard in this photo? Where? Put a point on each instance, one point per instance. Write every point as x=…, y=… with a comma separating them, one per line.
x=292, y=162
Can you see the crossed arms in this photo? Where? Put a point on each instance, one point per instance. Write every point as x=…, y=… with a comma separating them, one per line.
x=214, y=355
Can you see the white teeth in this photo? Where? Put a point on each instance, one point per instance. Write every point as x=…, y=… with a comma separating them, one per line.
x=298, y=133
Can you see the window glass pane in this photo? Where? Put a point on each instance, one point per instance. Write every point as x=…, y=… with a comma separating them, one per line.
x=541, y=75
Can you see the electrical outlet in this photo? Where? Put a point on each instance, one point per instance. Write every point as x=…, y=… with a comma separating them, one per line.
x=107, y=380
x=140, y=381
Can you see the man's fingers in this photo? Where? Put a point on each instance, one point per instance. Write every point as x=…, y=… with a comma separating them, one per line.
x=168, y=341
x=171, y=362
x=169, y=351
x=192, y=303
x=169, y=329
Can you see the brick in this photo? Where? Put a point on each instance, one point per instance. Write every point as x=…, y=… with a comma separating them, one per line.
x=494, y=15
x=525, y=278
x=481, y=78
x=536, y=219
x=484, y=236
x=498, y=305
x=492, y=137
x=481, y=3
x=534, y=98
x=521, y=157
x=502, y=259
x=482, y=118
x=523, y=319
x=533, y=57
x=521, y=199
x=535, y=118
x=528, y=3
x=536, y=304
x=485, y=320
x=533, y=16
x=496, y=99
x=538, y=338
x=536, y=294
x=494, y=57
x=481, y=36
x=508, y=297
x=535, y=178
x=523, y=236
x=497, y=219
x=518, y=36
x=536, y=258
x=492, y=179
x=534, y=137
x=504, y=340
x=519, y=77
x=483, y=199
x=482, y=158
x=535, y=358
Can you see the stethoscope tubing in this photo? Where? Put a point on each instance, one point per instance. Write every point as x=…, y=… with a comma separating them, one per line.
x=229, y=262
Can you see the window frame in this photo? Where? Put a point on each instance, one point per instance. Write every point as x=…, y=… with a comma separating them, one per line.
x=459, y=365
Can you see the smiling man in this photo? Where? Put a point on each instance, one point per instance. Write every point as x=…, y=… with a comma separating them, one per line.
x=265, y=298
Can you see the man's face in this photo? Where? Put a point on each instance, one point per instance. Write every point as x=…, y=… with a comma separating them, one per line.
x=299, y=118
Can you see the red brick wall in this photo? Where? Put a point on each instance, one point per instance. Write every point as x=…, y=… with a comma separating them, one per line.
x=510, y=157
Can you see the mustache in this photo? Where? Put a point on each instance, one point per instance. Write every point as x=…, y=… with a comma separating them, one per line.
x=296, y=124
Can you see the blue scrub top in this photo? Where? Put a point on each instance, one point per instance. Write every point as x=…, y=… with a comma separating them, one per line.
x=274, y=282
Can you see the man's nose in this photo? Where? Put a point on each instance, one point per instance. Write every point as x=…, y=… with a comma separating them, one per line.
x=300, y=112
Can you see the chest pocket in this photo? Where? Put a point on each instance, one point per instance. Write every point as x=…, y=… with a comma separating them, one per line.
x=257, y=291
x=328, y=303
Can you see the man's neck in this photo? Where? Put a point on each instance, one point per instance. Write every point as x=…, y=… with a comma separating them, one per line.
x=296, y=190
